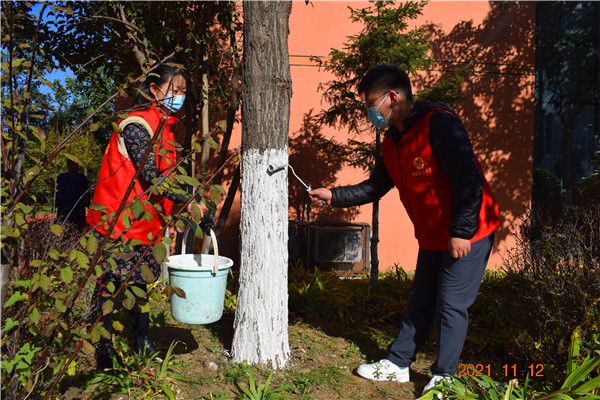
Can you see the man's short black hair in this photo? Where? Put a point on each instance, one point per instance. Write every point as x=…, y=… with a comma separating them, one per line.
x=386, y=76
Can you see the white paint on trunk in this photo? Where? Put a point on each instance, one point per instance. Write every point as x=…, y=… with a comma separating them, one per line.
x=261, y=317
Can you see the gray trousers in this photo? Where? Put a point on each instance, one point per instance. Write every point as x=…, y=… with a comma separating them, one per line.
x=443, y=289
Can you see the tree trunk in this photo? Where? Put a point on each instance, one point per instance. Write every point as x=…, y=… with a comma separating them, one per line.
x=375, y=243
x=204, y=117
x=205, y=88
x=261, y=318
x=375, y=220
x=233, y=187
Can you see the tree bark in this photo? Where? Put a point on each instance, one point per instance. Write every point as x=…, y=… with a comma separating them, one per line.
x=139, y=46
x=261, y=318
x=375, y=221
x=226, y=208
x=375, y=244
x=204, y=117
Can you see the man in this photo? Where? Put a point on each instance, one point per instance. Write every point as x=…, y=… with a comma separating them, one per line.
x=72, y=195
x=428, y=156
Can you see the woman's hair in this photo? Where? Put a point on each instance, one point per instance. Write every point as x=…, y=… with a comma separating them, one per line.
x=158, y=76
x=386, y=77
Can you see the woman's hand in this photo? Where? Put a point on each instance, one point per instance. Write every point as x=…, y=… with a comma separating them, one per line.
x=207, y=223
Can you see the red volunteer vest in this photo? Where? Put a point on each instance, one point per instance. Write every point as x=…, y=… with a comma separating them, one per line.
x=425, y=189
x=117, y=172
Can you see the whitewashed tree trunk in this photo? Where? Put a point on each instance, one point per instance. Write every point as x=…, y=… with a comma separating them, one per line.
x=261, y=318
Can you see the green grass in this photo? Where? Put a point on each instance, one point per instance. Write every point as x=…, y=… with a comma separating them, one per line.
x=335, y=325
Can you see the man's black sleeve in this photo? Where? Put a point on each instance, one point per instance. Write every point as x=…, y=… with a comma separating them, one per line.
x=378, y=184
x=452, y=148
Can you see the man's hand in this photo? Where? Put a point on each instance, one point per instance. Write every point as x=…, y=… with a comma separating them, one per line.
x=319, y=194
x=459, y=247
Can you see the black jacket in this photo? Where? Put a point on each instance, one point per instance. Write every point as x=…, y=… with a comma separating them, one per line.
x=452, y=148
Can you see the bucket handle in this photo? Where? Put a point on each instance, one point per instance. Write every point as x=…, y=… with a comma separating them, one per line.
x=206, y=242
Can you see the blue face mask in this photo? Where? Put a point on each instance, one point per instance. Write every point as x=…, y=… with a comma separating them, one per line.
x=173, y=103
x=379, y=121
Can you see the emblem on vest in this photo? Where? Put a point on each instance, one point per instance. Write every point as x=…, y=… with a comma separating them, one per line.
x=420, y=168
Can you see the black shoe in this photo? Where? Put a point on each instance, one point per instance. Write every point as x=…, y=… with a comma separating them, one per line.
x=143, y=345
x=106, y=358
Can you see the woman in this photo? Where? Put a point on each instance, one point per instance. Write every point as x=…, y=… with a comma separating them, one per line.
x=166, y=88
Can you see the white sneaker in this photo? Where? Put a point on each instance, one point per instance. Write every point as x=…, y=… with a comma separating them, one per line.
x=436, y=380
x=383, y=370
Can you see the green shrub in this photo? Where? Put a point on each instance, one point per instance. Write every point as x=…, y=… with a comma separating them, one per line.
x=582, y=382
x=348, y=302
x=554, y=276
x=36, y=299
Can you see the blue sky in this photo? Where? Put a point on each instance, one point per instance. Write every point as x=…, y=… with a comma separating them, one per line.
x=56, y=74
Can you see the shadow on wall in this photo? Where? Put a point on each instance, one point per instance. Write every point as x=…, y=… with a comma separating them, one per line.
x=317, y=168
x=497, y=99
x=496, y=107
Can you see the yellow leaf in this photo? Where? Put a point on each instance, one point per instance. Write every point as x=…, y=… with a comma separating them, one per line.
x=57, y=230
x=72, y=370
x=117, y=326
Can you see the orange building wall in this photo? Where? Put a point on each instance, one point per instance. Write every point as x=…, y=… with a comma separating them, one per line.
x=496, y=108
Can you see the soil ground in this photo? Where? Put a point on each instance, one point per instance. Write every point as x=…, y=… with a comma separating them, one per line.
x=321, y=366
x=322, y=363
